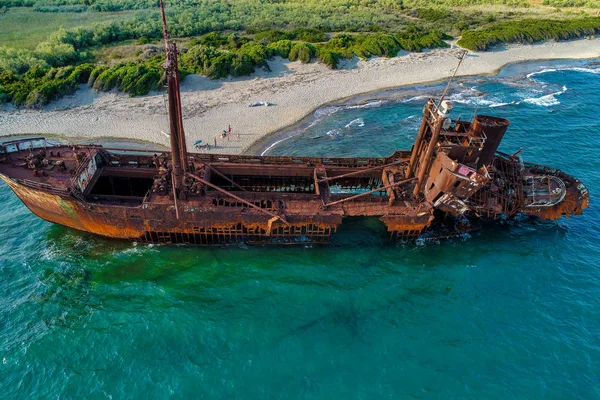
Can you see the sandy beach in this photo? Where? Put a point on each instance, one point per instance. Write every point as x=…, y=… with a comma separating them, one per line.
x=293, y=89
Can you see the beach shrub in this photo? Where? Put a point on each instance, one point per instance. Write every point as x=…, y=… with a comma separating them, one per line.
x=281, y=48
x=416, y=39
x=433, y=14
x=529, y=31
x=378, y=44
x=213, y=39
x=137, y=79
x=199, y=58
x=304, y=52
x=273, y=35
x=257, y=52
x=94, y=74
x=19, y=61
x=310, y=35
x=220, y=66
x=39, y=86
x=216, y=63
x=329, y=57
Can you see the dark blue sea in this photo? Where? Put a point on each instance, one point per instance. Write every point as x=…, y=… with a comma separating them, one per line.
x=512, y=311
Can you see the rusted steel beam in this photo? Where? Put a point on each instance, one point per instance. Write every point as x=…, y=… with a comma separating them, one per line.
x=360, y=171
x=153, y=151
x=175, y=198
x=237, y=198
x=369, y=192
x=424, y=169
x=417, y=145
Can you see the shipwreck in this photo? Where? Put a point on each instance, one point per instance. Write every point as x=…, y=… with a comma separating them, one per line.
x=452, y=177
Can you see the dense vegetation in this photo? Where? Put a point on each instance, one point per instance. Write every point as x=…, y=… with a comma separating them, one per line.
x=529, y=31
x=237, y=36
x=39, y=86
x=45, y=74
x=573, y=3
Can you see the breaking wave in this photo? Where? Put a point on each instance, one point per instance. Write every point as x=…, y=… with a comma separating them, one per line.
x=578, y=69
x=355, y=122
x=368, y=104
x=493, y=105
x=546, y=100
x=327, y=111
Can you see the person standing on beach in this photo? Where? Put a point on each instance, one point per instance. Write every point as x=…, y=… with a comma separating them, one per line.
x=215, y=142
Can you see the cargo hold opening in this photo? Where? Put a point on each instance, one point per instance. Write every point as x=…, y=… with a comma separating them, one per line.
x=114, y=186
x=264, y=183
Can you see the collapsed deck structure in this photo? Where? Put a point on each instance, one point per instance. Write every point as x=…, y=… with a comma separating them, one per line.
x=452, y=176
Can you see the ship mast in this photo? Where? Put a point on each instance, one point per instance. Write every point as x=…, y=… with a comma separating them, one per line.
x=177, y=135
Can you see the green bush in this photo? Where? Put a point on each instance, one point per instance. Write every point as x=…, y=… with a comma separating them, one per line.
x=310, y=35
x=94, y=74
x=220, y=66
x=416, y=39
x=303, y=52
x=281, y=48
x=272, y=35
x=135, y=79
x=19, y=61
x=39, y=86
x=329, y=57
x=529, y=31
x=378, y=44
x=199, y=58
x=213, y=39
x=433, y=14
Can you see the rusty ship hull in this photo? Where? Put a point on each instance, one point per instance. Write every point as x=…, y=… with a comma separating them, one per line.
x=129, y=195
x=279, y=206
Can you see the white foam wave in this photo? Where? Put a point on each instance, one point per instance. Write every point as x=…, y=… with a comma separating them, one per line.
x=590, y=70
x=411, y=119
x=543, y=71
x=273, y=145
x=369, y=104
x=547, y=100
x=333, y=132
x=325, y=112
x=416, y=98
x=466, y=97
x=355, y=122
x=544, y=101
x=578, y=69
x=500, y=104
x=328, y=111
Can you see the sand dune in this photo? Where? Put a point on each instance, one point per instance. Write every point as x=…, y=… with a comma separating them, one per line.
x=294, y=89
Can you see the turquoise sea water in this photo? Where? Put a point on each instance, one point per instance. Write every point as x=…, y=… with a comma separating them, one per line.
x=511, y=312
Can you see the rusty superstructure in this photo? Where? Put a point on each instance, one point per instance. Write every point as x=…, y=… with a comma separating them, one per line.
x=452, y=176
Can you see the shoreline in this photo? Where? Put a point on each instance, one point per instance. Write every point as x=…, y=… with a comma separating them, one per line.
x=296, y=91
x=267, y=141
